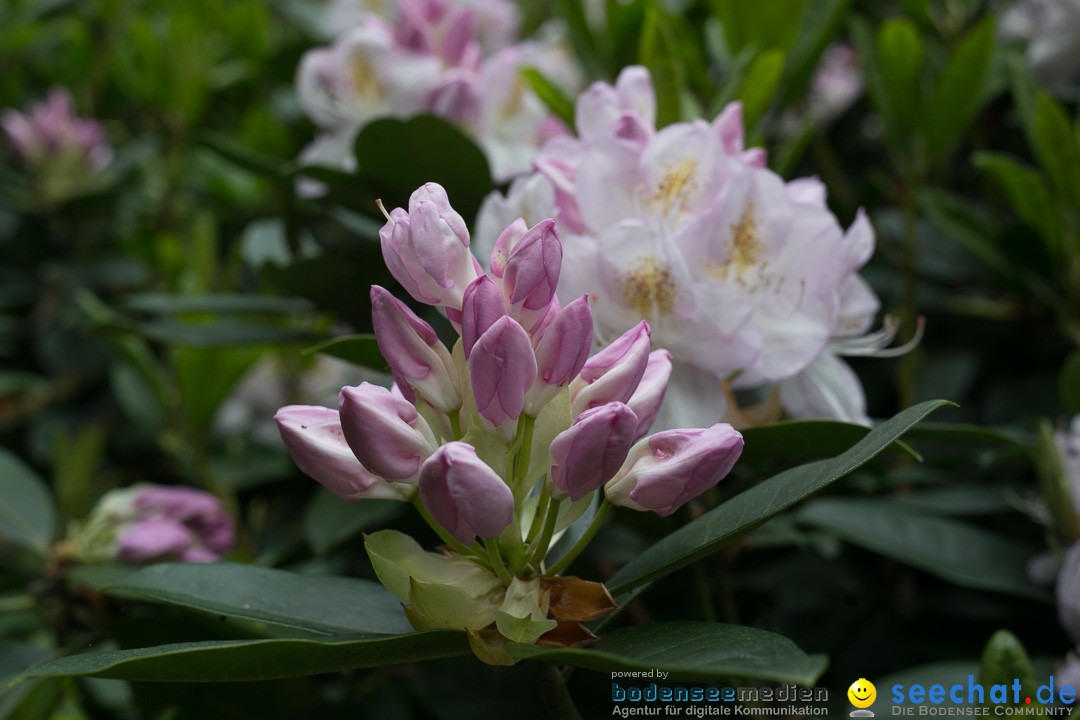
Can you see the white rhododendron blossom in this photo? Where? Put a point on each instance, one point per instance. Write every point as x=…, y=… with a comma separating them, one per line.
x=748, y=281
x=456, y=59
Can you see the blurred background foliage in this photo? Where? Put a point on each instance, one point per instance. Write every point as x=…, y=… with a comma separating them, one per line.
x=151, y=324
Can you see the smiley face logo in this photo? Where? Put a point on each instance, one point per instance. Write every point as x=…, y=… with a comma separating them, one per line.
x=862, y=693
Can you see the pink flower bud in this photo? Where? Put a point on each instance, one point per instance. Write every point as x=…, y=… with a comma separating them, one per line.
x=427, y=249
x=481, y=306
x=589, y=453
x=414, y=351
x=646, y=400
x=562, y=352
x=162, y=522
x=665, y=470
x=314, y=438
x=504, y=244
x=464, y=495
x=502, y=367
x=385, y=432
x=613, y=374
x=156, y=538
x=532, y=273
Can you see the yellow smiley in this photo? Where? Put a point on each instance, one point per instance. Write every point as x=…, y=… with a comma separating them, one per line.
x=862, y=693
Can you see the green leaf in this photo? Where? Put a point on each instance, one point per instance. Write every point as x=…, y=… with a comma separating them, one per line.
x=762, y=79
x=558, y=102
x=744, y=512
x=206, y=376
x=318, y=604
x=362, y=350
x=1005, y=661
x=1057, y=148
x=900, y=53
x=330, y=521
x=177, y=304
x=1027, y=193
x=689, y=651
x=26, y=508
x=960, y=92
x=222, y=334
x=581, y=35
x=242, y=156
x=659, y=52
x=806, y=439
x=398, y=156
x=820, y=24
x=244, y=660
x=960, y=553
x=1069, y=383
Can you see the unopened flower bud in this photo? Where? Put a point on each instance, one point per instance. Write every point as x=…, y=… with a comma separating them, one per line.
x=562, y=351
x=646, y=400
x=314, y=438
x=669, y=468
x=385, y=432
x=464, y=495
x=427, y=249
x=502, y=367
x=613, y=374
x=481, y=306
x=532, y=273
x=414, y=351
x=589, y=453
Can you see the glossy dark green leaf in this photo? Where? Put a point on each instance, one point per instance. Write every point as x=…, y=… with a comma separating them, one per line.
x=806, y=439
x=952, y=550
x=318, y=604
x=221, y=334
x=745, y=511
x=1026, y=191
x=558, y=102
x=690, y=651
x=398, y=156
x=960, y=92
x=362, y=350
x=26, y=507
x=243, y=660
x=330, y=521
x=242, y=156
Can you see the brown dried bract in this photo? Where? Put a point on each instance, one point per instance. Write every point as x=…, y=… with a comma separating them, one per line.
x=571, y=598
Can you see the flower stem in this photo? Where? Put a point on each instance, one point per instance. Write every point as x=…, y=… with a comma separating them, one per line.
x=497, y=564
x=459, y=548
x=540, y=548
x=572, y=554
x=455, y=424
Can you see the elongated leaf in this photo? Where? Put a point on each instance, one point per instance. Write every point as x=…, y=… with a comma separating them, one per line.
x=821, y=21
x=558, y=102
x=362, y=350
x=1069, y=383
x=242, y=660
x=659, y=52
x=221, y=334
x=318, y=604
x=954, y=551
x=1027, y=193
x=806, y=439
x=961, y=91
x=900, y=52
x=1057, y=148
x=26, y=508
x=745, y=511
x=176, y=304
x=690, y=651
x=762, y=79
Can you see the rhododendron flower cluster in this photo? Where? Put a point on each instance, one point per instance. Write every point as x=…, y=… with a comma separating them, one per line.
x=145, y=523
x=748, y=280
x=66, y=153
x=452, y=59
x=503, y=441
